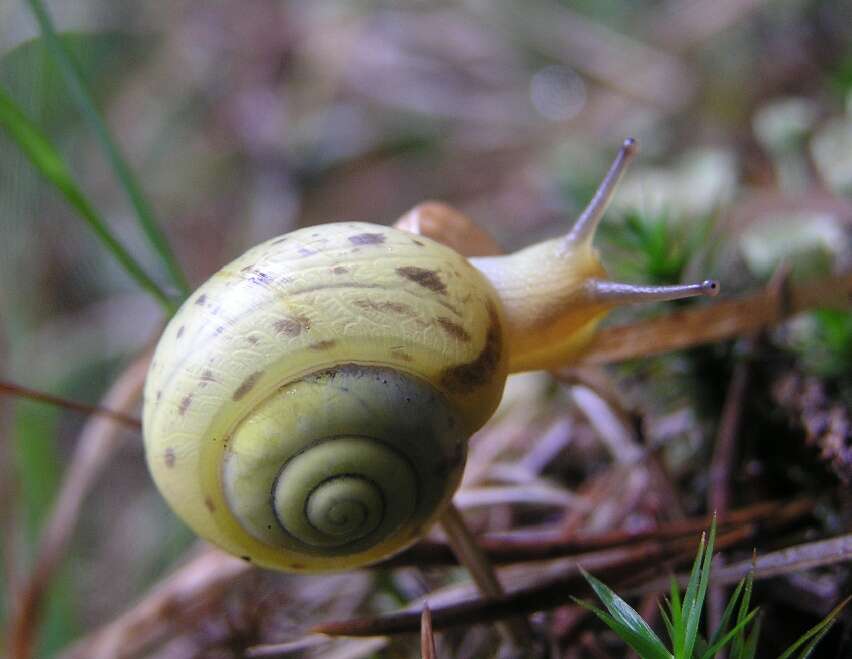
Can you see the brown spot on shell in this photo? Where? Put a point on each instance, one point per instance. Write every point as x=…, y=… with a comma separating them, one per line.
x=306, y=251
x=418, y=243
x=386, y=307
x=208, y=503
x=159, y=395
x=339, y=270
x=323, y=345
x=247, y=385
x=298, y=566
x=426, y=278
x=201, y=299
x=253, y=339
x=453, y=329
x=180, y=331
x=480, y=370
x=170, y=457
x=185, y=402
x=367, y=239
x=292, y=325
x=207, y=376
x=247, y=559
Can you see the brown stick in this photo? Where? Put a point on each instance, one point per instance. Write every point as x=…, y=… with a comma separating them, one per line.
x=18, y=391
x=520, y=546
x=98, y=441
x=546, y=594
x=481, y=569
x=427, y=637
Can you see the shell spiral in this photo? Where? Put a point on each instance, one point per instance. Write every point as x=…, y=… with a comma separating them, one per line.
x=308, y=408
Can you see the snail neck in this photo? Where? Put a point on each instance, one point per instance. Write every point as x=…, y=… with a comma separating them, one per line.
x=549, y=312
x=555, y=293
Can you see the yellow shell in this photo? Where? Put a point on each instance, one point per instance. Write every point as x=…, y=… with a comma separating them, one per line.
x=309, y=407
x=239, y=369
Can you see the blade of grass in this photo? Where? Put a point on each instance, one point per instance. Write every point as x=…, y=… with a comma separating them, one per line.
x=75, y=81
x=695, y=602
x=50, y=164
x=622, y=612
x=727, y=638
x=647, y=647
x=815, y=633
x=749, y=650
x=740, y=643
x=677, y=617
x=666, y=620
x=728, y=612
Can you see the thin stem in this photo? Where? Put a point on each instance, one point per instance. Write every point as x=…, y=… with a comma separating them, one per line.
x=12, y=389
x=75, y=81
x=46, y=159
x=586, y=225
x=613, y=292
x=471, y=555
x=427, y=637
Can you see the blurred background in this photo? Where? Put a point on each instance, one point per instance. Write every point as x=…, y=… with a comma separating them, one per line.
x=247, y=119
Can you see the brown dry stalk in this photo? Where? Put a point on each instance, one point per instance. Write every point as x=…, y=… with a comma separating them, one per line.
x=523, y=546
x=546, y=594
x=18, y=391
x=468, y=552
x=777, y=563
x=715, y=322
x=98, y=441
x=427, y=637
x=624, y=568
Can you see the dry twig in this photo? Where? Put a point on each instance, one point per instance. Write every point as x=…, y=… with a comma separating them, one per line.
x=98, y=442
x=427, y=637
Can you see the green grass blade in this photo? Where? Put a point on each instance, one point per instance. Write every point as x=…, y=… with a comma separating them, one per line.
x=749, y=650
x=739, y=644
x=647, y=647
x=695, y=599
x=622, y=612
x=717, y=645
x=667, y=621
x=677, y=617
x=728, y=612
x=50, y=164
x=82, y=97
x=815, y=633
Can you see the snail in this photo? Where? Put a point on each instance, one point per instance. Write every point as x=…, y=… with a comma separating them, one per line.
x=308, y=408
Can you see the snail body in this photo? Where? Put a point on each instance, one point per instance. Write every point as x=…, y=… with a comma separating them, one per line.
x=308, y=408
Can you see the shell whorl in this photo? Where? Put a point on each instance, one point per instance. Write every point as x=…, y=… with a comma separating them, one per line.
x=344, y=461
x=274, y=356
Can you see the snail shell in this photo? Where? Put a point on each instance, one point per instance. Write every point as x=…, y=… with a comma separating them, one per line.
x=308, y=408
